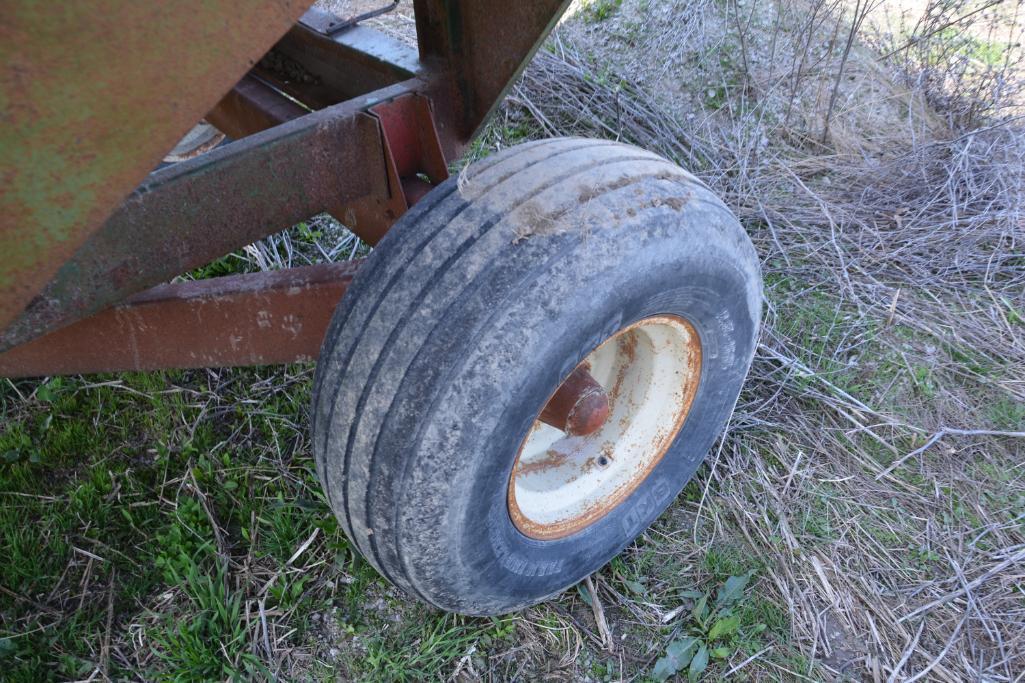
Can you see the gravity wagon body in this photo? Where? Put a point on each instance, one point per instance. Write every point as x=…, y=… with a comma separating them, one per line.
x=522, y=375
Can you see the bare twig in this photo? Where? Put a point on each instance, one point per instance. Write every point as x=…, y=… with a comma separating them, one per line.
x=948, y=431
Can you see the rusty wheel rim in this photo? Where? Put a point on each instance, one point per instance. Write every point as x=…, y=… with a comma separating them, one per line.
x=561, y=483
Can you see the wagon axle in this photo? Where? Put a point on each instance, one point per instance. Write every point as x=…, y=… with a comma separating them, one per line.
x=579, y=406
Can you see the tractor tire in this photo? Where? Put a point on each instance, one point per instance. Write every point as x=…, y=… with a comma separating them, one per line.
x=543, y=259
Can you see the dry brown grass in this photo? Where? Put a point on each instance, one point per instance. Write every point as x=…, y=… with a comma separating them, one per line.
x=874, y=464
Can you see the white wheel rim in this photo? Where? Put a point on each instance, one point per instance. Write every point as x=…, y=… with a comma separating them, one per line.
x=561, y=483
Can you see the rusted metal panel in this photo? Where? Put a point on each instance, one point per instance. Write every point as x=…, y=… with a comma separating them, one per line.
x=486, y=44
x=319, y=69
x=252, y=106
x=187, y=215
x=94, y=93
x=258, y=319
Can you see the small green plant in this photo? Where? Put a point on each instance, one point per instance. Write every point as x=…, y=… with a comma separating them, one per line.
x=210, y=641
x=1007, y=413
x=47, y=393
x=229, y=264
x=923, y=380
x=185, y=542
x=600, y=10
x=1014, y=316
x=713, y=632
x=308, y=234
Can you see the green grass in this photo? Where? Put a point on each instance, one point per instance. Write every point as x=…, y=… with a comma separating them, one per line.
x=208, y=640
x=1008, y=414
x=108, y=489
x=893, y=367
x=138, y=471
x=419, y=651
x=229, y=264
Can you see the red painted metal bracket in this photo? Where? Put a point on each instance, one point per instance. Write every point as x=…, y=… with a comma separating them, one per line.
x=413, y=159
x=411, y=145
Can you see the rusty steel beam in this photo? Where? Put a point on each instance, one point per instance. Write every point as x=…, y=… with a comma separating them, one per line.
x=189, y=214
x=95, y=92
x=330, y=24
x=485, y=45
x=257, y=319
x=315, y=69
x=320, y=67
x=252, y=106
x=363, y=160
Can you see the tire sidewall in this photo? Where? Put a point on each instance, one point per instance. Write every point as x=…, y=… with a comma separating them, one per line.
x=682, y=270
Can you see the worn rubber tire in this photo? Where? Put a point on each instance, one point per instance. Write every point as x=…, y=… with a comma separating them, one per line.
x=464, y=319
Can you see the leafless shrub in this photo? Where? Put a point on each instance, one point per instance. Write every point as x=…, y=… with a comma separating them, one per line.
x=964, y=57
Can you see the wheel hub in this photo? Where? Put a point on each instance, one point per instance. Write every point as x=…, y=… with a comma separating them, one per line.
x=564, y=480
